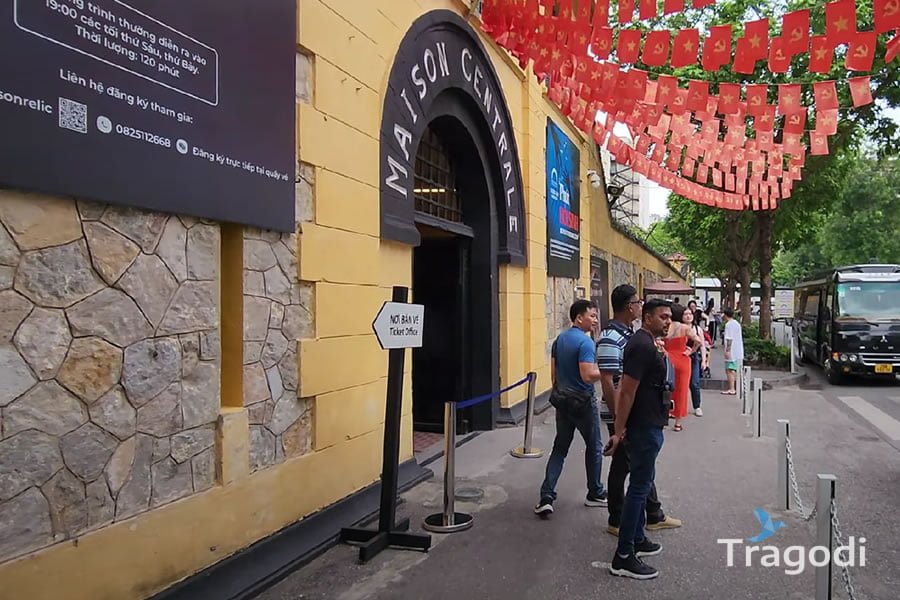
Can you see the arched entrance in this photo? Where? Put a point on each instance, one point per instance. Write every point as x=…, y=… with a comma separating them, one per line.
x=452, y=188
x=454, y=274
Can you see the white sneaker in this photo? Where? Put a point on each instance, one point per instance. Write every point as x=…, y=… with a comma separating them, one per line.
x=698, y=412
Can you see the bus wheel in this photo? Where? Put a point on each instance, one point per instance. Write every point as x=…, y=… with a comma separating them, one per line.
x=832, y=374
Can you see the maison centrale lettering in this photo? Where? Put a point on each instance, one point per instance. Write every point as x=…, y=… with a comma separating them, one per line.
x=438, y=54
x=436, y=64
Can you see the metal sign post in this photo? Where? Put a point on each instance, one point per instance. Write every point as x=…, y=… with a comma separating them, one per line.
x=398, y=326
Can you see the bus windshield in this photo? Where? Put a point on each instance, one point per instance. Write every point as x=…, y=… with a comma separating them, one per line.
x=872, y=300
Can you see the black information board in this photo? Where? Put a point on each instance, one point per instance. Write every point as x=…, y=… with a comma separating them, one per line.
x=171, y=105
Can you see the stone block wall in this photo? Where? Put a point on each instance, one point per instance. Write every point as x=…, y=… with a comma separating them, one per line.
x=278, y=311
x=623, y=272
x=558, y=300
x=109, y=377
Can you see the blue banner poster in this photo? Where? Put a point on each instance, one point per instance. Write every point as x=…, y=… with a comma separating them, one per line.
x=563, y=210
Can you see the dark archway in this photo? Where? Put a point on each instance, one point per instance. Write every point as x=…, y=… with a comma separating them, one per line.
x=455, y=276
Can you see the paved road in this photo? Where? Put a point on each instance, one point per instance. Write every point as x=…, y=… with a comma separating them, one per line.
x=712, y=475
x=873, y=404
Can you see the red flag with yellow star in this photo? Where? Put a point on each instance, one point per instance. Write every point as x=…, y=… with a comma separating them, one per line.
x=826, y=121
x=821, y=55
x=756, y=34
x=789, y=98
x=684, y=50
x=765, y=120
x=729, y=98
x=861, y=91
x=601, y=14
x=840, y=22
x=665, y=89
x=629, y=45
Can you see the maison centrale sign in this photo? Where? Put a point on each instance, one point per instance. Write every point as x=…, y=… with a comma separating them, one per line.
x=442, y=53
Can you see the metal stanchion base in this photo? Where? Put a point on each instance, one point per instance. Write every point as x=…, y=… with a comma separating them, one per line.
x=435, y=523
x=372, y=542
x=522, y=452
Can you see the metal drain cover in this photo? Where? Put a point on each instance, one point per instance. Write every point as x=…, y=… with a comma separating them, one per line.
x=469, y=494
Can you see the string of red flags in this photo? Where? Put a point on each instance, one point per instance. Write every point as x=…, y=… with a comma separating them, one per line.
x=730, y=145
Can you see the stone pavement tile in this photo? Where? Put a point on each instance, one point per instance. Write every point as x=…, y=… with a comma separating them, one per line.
x=712, y=475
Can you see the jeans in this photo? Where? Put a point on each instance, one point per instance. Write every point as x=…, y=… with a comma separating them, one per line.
x=588, y=425
x=695, y=379
x=643, y=447
x=615, y=486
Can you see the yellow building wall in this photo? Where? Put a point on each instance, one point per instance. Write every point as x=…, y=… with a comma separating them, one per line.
x=351, y=44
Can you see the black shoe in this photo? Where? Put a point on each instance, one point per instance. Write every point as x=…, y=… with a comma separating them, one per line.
x=647, y=548
x=601, y=500
x=631, y=566
x=544, y=508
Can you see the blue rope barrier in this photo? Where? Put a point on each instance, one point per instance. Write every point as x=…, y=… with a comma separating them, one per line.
x=483, y=397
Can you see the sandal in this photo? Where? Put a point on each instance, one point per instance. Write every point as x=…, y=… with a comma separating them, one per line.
x=677, y=427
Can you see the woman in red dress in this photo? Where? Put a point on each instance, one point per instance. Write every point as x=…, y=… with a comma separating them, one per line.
x=678, y=347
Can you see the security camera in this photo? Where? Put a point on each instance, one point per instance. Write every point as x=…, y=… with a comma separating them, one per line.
x=594, y=178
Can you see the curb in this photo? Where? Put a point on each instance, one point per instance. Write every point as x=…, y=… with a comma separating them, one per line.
x=788, y=380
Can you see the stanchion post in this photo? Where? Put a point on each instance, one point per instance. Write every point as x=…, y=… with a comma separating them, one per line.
x=793, y=354
x=757, y=406
x=784, y=494
x=527, y=450
x=744, y=374
x=449, y=521
x=825, y=487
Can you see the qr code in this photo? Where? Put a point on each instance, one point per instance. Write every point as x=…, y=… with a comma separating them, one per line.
x=72, y=115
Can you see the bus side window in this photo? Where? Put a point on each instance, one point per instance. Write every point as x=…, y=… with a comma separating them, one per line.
x=812, y=306
x=800, y=309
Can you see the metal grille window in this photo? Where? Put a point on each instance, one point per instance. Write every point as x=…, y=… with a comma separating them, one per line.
x=434, y=189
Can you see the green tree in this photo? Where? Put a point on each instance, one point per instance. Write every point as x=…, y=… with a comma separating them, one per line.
x=865, y=222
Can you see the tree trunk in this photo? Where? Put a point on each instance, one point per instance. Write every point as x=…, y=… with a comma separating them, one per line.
x=765, y=220
x=728, y=288
x=744, y=277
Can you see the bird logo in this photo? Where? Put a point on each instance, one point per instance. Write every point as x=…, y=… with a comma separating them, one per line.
x=769, y=525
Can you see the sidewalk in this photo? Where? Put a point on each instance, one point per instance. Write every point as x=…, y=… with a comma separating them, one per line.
x=771, y=379
x=712, y=475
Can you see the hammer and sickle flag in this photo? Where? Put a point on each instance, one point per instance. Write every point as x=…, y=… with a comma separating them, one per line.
x=656, y=48
x=717, y=48
x=861, y=52
x=826, y=95
x=887, y=15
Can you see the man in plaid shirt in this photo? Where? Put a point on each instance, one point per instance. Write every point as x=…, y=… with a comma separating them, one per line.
x=610, y=351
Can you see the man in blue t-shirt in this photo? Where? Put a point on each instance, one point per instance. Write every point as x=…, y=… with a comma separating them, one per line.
x=573, y=366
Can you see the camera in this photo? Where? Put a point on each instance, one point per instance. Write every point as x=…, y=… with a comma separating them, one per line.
x=594, y=178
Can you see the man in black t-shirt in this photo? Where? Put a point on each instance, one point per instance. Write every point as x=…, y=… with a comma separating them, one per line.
x=642, y=410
